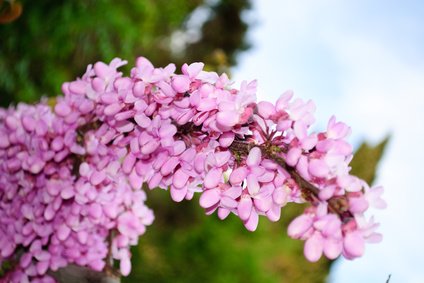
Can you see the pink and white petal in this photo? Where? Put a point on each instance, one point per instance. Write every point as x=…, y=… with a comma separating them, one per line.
x=167, y=130
x=142, y=120
x=102, y=70
x=139, y=89
x=180, y=179
x=283, y=125
x=63, y=232
x=309, y=142
x=314, y=247
x=333, y=227
x=283, y=101
x=238, y=175
x=178, y=147
x=299, y=226
x=318, y=168
x=233, y=192
x=302, y=167
x=181, y=83
x=227, y=119
x=266, y=109
x=125, y=266
x=128, y=163
x=193, y=69
x=300, y=130
x=210, y=198
x=332, y=248
x=252, y=184
x=207, y=104
x=178, y=195
x=150, y=147
x=257, y=170
x=223, y=213
x=155, y=180
x=252, y=223
x=280, y=196
x=358, y=204
x=274, y=213
x=226, y=139
x=212, y=209
x=266, y=191
x=254, y=157
x=374, y=238
x=213, y=178
x=228, y=202
x=263, y=204
x=293, y=156
x=222, y=158
x=244, y=208
x=169, y=166
x=354, y=244
x=268, y=176
x=327, y=192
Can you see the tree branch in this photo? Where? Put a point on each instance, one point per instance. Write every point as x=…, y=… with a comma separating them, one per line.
x=337, y=205
x=77, y=274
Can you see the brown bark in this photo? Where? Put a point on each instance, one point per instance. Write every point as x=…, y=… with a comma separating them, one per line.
x=77, y=274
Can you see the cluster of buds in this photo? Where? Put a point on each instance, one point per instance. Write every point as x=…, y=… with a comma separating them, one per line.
x=71, y=178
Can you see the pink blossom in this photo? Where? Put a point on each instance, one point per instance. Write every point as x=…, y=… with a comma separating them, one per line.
x=72, y=174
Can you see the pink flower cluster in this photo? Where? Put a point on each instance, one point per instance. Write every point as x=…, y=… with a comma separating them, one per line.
x=71, y=179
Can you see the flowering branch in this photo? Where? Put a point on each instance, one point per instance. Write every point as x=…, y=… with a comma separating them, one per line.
x=71, y=179
x=338, y=205
x=309, y=191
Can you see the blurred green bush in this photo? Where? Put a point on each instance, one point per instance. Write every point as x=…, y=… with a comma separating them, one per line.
x=185, y=245
x=54, y=40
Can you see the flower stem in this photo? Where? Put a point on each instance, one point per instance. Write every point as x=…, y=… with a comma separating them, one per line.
x=337, y=205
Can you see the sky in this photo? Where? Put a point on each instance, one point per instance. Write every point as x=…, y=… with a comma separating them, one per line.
x=362, y=61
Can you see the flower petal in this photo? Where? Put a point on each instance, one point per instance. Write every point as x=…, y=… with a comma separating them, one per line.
x=244, y=208
x=227, y=119
x=314, y=247
x=209, y=198
x=213, y=178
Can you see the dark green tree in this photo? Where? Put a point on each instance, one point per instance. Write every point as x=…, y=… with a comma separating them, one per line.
x=54, y=40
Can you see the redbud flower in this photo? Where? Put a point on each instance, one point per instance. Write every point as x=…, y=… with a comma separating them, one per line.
x=72, y=178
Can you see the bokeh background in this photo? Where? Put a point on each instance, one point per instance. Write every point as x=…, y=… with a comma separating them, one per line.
x=359, y=60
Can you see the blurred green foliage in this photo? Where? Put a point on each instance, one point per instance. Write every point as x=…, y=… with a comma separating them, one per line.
x=185, y=245
x=54, y=40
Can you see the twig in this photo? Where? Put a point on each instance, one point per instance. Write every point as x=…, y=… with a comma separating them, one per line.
x=337, y=205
